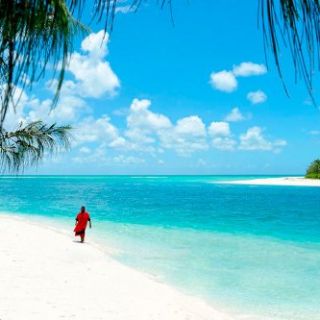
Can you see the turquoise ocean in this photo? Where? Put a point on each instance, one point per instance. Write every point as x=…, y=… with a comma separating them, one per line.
x=252, y=251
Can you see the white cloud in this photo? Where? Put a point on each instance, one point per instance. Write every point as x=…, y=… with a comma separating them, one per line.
x=234, y=116
x=256, y=97
x=280, y=143
x=15, y=112
x=121, y=159
x=122, y=112
x=96, y=44
x=247, y=69
x=69, y=109
x=100, y=130
x=140, y=116
x=223, y=81
x=144, y=126
x=186, y=137
x=219, y=129
x=93, y=78
x=253, y=139
x=226, y=80
x=93, y=73
x=191, y=126
x=224, y=143
x=152, y=132
x=145, y=131
x=96, y=156
x=85, y=150
x=221, y=136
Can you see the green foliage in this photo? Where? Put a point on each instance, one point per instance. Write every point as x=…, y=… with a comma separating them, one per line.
x=313, y=171
x=33, y=33
x=295, y=25
x=29, y=143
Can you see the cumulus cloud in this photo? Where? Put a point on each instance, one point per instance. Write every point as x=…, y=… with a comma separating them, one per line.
x=93, y=78
x=153, y=132
x=254, y=139
x=186, y=137
x=140, y=116
x=224, y=143
x=69, y=109
x=100, y=130
x=122, y=159
x=256, y=97
x=92, y=72
x=150, y=131
x=191, y=126
x=144, y=126
x=85, y=150
x=144, y=131
x=15, y=113
x=221, y=136
x=96, y=44
x=224, y=81
x=247, y=69
x=235, y=115
x=219, y=129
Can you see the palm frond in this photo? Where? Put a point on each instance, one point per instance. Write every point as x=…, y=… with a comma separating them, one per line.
x=28, y=144
x=33, y=33
x=293, y=24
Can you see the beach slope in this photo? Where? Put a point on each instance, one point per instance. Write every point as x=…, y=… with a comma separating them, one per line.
x=47, y=275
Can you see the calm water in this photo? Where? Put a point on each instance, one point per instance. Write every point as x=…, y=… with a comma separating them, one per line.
x=251, y=250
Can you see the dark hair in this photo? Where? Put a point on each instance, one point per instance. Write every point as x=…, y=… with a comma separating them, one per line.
x=83, y=209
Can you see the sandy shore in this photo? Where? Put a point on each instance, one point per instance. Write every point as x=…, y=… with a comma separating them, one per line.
x=46, y=275
x=283, y=181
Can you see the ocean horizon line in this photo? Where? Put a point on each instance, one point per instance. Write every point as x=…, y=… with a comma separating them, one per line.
x=156, y=175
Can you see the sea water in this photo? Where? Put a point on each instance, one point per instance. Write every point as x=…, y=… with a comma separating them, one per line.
x=252, y=251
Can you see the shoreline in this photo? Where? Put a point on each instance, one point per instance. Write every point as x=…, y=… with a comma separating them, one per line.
x=281, y=181
x=46, y=274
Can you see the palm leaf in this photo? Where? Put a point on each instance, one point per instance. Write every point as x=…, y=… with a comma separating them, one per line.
x=293, y=24
x=28, y=144
x=33, y=33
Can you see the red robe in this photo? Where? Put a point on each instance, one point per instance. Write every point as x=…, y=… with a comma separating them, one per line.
x=82, y=218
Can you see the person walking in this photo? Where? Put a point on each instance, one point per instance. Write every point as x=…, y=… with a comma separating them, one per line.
x=82, y=220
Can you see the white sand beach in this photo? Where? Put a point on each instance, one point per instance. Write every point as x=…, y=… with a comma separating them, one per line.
x=45, y=274
x=283, y=181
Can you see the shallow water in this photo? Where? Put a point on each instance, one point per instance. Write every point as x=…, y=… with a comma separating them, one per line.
x=251, y=250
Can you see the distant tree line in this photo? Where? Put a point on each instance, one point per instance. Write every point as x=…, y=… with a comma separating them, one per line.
x=313, y=171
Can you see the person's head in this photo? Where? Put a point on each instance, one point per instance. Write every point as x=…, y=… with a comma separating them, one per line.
x=83, y=209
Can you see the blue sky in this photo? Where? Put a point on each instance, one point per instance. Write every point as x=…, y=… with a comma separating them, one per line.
x=196, y=97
